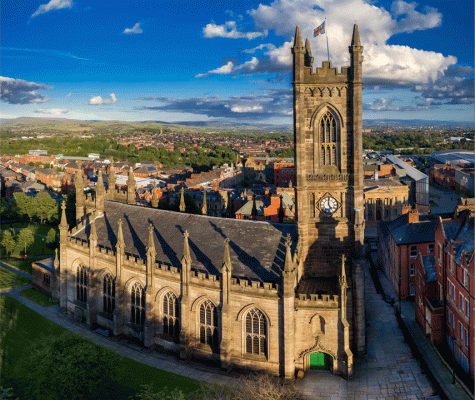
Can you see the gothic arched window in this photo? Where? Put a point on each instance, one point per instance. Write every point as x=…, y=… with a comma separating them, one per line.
x=137, y=305
x=329, y=136
x=256, y=333
x=81, y=283
x=108, y=293
x=171, y=315
x=209, y=324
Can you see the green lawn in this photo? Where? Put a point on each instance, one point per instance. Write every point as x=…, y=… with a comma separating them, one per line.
x=20, y=263
x=39, y=246
x=10, y=280
x=20, y=326
x=37, y=297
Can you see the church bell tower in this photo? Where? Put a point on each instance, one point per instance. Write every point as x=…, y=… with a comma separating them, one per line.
x=328, y=158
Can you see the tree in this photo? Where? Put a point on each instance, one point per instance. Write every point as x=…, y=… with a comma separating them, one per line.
x=46, y=209
x=82, y=370
x=51, y=237
x=8, y=241
x=26, y=238
x=24, y=204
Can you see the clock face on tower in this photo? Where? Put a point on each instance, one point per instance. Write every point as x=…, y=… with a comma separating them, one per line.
x=328, y=205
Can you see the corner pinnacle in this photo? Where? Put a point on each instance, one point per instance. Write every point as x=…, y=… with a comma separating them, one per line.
x=298, y=38
x=355, y=40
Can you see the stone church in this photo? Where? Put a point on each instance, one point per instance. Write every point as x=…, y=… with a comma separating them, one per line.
x=275, y=297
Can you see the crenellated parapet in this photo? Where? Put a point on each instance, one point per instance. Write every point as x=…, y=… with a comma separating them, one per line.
x=317, y=300
x=326, y=74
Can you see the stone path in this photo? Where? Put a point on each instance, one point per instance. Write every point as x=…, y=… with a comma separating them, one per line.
x=389, y=372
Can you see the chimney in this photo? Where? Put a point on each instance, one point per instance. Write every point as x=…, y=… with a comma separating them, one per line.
x=413, y=216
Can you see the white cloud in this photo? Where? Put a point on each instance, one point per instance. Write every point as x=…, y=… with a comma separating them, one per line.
x=229, y=30
x=263, y=46
x=135, y=29
x=69, y=95
x=247, y=109
x=19, y=91
x=52, y=111
x=98, y=100
x=52, y=5
x=223, y=70
x=384, y=64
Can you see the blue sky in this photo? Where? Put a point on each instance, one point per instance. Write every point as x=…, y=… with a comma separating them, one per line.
x=185, y=60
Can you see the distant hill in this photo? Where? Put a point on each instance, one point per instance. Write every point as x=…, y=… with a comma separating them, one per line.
x=393, y=123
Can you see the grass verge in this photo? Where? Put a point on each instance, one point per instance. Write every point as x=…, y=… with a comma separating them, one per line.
x=38, y=297
x=21, y=263
x=10, y=280
x=21, y=328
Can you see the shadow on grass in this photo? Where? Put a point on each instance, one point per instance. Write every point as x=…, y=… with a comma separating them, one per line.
x=27, y=337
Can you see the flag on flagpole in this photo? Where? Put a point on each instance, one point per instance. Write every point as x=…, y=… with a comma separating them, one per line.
x=319, y=30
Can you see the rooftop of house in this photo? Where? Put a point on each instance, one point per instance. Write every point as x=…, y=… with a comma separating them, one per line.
x=404, y=232
x=257, y=249
x=47, y=264
x=428, y=263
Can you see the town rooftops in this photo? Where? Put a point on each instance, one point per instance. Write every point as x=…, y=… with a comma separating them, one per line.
x=257, y=249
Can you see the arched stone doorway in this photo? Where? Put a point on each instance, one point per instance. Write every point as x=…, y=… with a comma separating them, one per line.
x=319, y=361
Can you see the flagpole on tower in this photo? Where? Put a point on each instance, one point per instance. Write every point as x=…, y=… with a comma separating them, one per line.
x=326, y=31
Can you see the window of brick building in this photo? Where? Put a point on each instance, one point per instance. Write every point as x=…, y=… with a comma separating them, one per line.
x=46, y=279
x=430, y=248
x=412, y=270
x=413, y=250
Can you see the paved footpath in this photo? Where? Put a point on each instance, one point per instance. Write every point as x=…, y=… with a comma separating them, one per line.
x=389, y=372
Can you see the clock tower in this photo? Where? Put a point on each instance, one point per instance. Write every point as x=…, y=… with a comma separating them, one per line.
x=328, y=159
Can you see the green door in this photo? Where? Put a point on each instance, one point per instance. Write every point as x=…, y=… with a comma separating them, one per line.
x=320, y=361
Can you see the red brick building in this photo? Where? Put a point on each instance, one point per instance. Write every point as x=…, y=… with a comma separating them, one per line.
x=401, y=241
x=428, y=308
x=454, y=264
x=284, y=173
x=42, y=275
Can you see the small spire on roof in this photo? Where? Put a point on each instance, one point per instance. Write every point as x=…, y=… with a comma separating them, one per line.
x=355, y=40
x=298, y=38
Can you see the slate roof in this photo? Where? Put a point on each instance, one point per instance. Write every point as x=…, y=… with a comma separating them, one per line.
x=451, y=228
x=417, y=232
x=47, y=264
x=257, y=249
x=429, y=267
x=381, y=182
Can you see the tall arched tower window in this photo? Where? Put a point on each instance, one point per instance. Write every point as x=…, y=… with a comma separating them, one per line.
x=329, y=136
